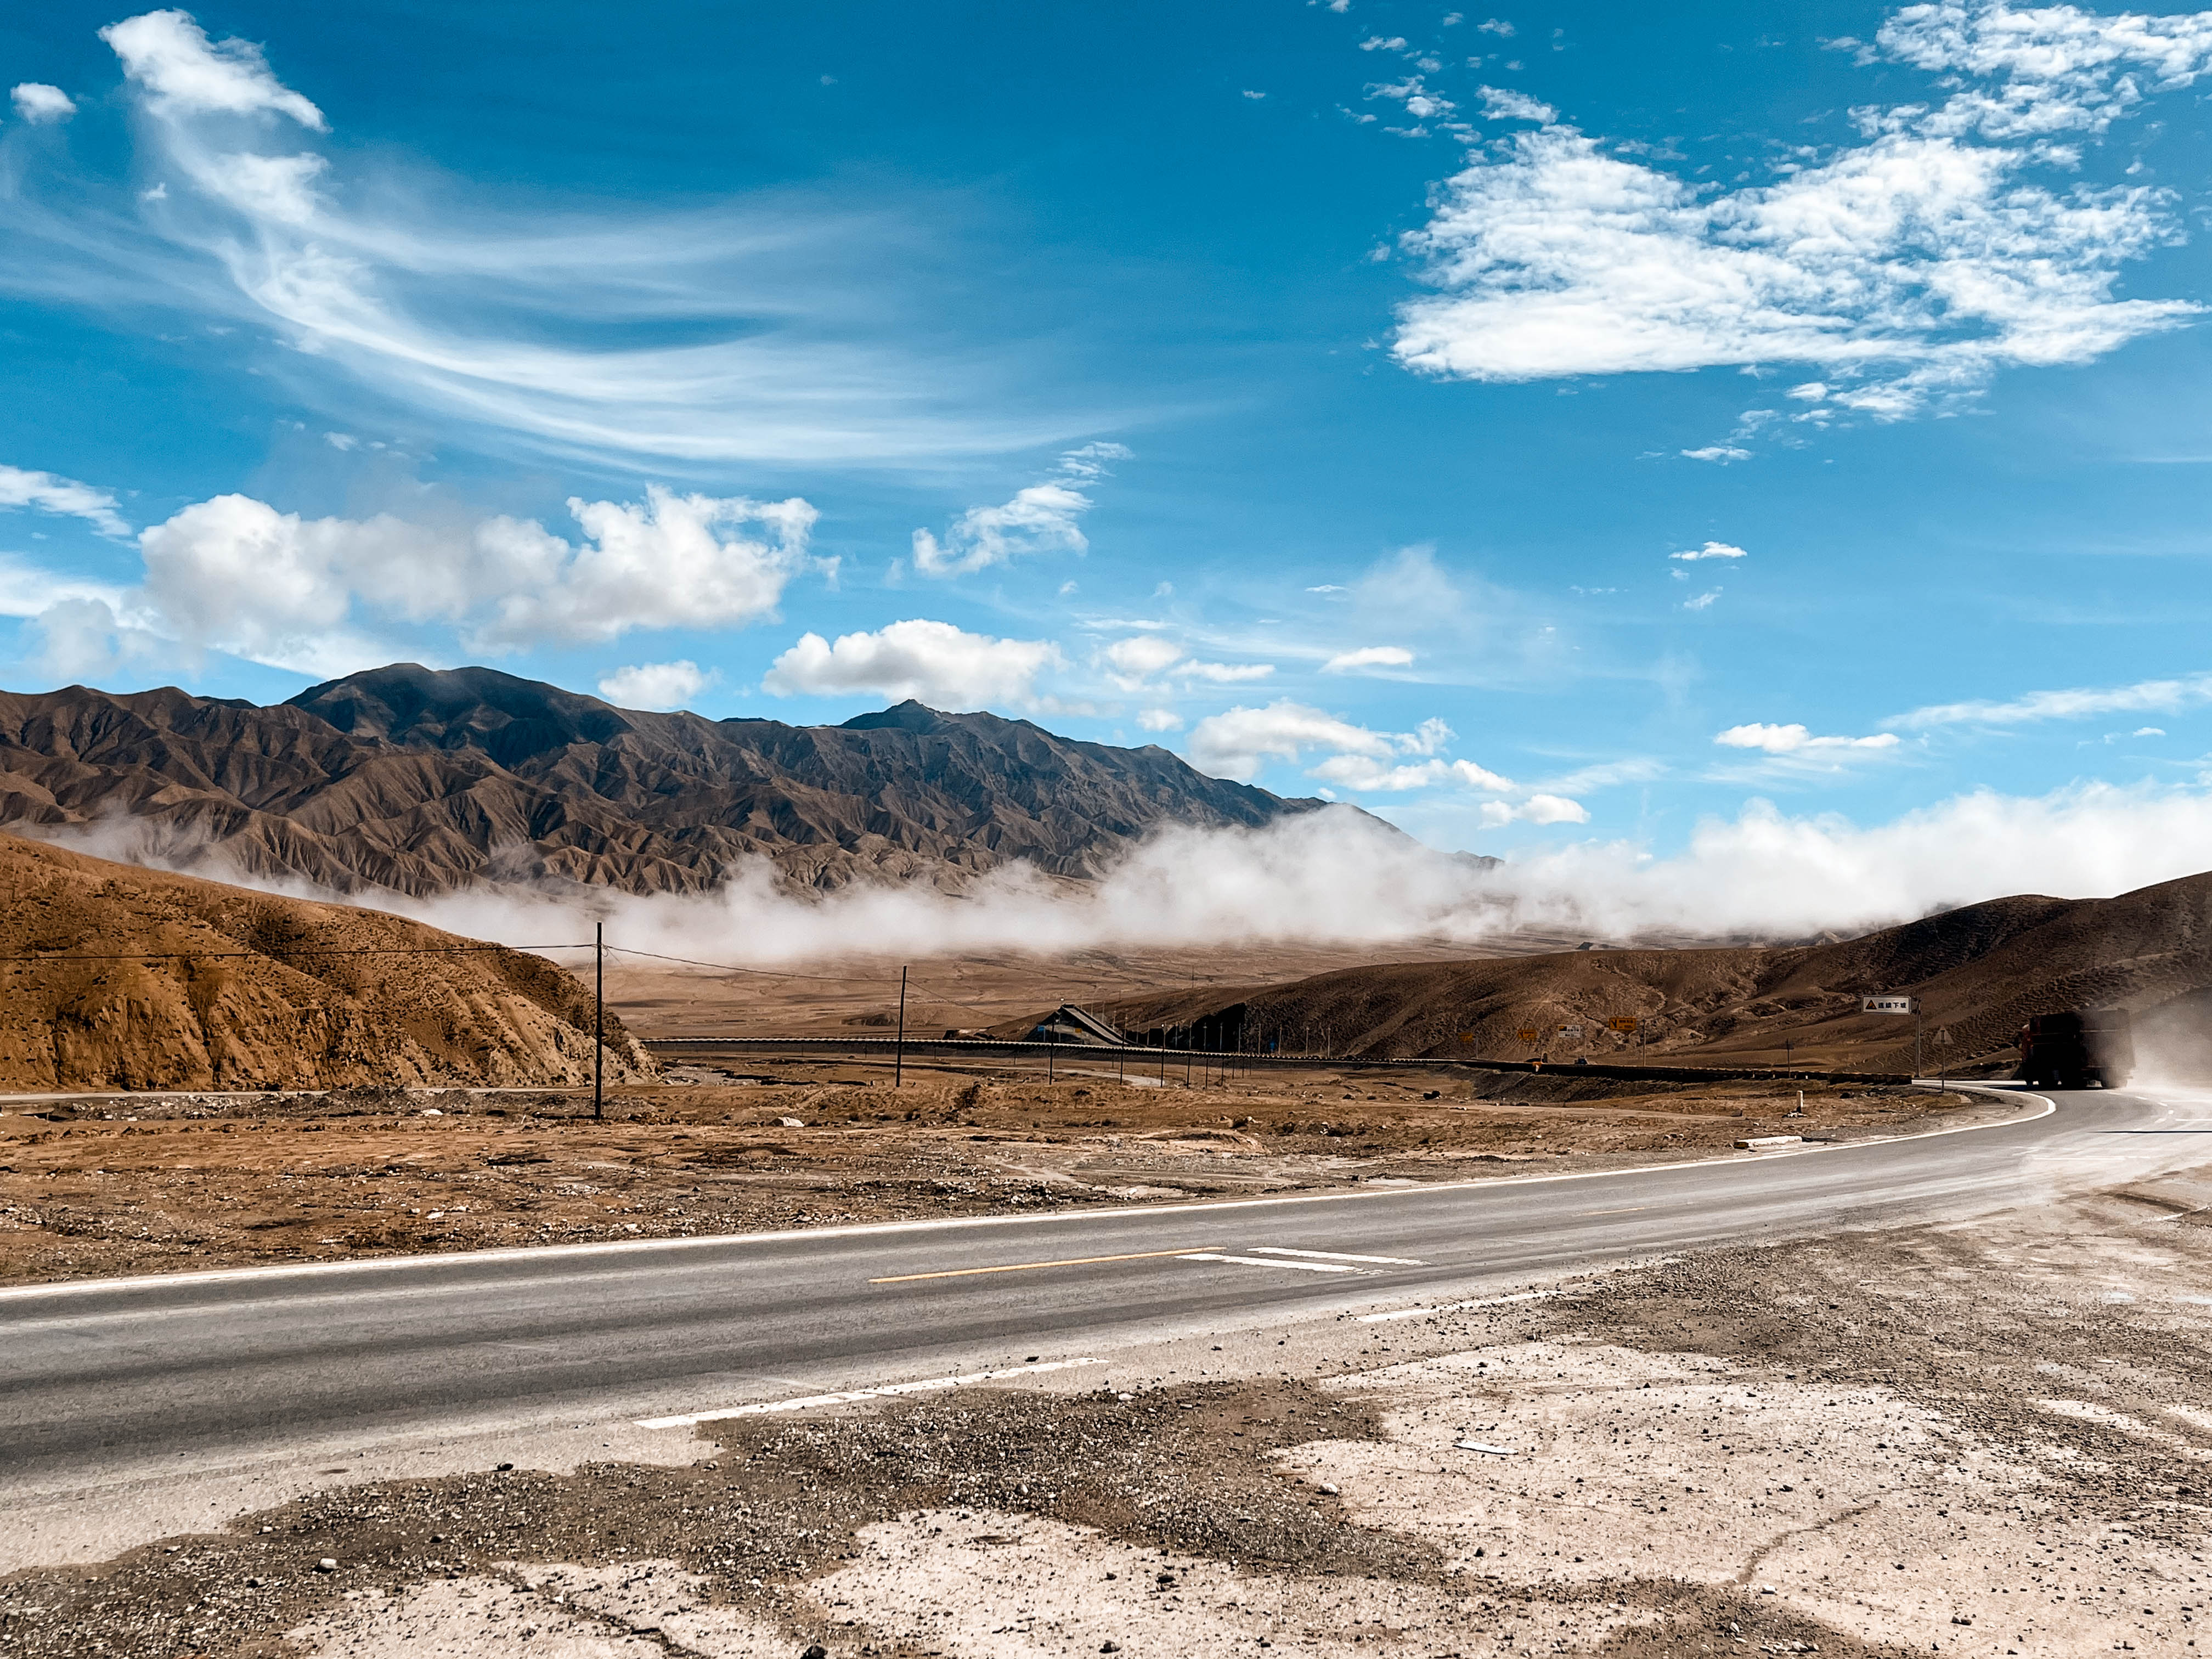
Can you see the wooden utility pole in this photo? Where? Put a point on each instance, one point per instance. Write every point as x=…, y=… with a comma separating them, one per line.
x=898, y=1055
x=598, y=1022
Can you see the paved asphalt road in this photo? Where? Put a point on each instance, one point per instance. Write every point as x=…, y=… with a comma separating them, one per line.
x=100, y=1379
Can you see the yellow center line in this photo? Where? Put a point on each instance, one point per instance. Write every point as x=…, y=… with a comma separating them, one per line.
x=1031, y=1266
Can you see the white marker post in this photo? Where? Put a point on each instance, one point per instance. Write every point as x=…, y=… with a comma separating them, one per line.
x=1897, y=1006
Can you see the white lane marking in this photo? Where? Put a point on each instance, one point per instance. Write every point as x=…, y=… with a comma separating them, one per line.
x=880, y=1229
x=1264, y=1261
x=1455, y=1307
x=1337, y=1255
x=846, y=1396
x=1478, y=1446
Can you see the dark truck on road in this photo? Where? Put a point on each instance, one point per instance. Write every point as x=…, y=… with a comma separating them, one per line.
x=2075, y=1049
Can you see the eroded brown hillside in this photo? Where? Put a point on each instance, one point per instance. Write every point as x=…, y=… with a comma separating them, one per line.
x=117, y=977
x=1978, y=972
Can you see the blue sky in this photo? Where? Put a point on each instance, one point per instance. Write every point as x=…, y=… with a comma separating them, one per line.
x=1534, y=426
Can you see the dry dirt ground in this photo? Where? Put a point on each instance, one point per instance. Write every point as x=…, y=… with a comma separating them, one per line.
x=1986, y=1439
x=119, y=1185
x=969, y=990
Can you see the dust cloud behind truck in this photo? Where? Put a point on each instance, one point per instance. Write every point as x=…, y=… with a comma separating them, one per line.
x=2077, y=1049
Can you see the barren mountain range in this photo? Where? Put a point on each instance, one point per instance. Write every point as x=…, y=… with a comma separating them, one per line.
x=420, y=781
x=114, y=977
x=1978, y=972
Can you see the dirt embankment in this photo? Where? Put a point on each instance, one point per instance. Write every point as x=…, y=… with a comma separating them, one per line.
x=116, y=977
x=170, y=1183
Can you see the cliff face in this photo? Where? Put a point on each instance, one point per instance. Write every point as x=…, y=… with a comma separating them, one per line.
x=117, y=977
x=422, y=781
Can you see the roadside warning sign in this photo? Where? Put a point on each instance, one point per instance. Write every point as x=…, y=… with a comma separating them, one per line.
x=1530, y=1034
x=1625, y=1024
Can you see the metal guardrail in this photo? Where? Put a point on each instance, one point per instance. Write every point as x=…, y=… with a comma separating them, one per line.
x=671, y=1048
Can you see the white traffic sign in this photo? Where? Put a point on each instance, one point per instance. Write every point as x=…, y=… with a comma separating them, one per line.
x=1886, y=1005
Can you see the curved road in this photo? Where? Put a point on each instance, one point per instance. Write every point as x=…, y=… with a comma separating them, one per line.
x=101, y=1377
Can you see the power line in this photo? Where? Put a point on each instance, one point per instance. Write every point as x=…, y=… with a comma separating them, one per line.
x=347, y=951
x=726, y=967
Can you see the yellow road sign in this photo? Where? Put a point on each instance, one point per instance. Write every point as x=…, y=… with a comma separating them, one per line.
x=1624, y=1023
x=1530, y=1034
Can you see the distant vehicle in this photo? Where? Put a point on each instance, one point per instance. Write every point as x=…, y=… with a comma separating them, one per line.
x=2077, y=1048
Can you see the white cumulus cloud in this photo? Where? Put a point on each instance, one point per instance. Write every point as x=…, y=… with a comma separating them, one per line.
x=39, y=104
x=1237, y=743
x=234, y=574
x=656, y=685
x=1909, y=269
x=1503, y=103
x=932, y=662
x=186, y=74
x=667, y=562
x=1137, y=658
x=2045, y=69
x=1134, y=664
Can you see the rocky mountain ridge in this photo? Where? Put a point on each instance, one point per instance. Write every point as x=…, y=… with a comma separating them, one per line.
x=423, y=780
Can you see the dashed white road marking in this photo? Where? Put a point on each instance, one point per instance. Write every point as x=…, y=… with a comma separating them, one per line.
x=1270, y=1262
x=1337, y=1255
x=846, y=1396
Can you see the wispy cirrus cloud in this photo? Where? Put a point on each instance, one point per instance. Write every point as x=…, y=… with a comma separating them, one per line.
x=47, y=492
x=1368, y=656
x=1045, y=517
x=766, y=336
x=1794, y=740
x=2167, y=696
x=1239, y=742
